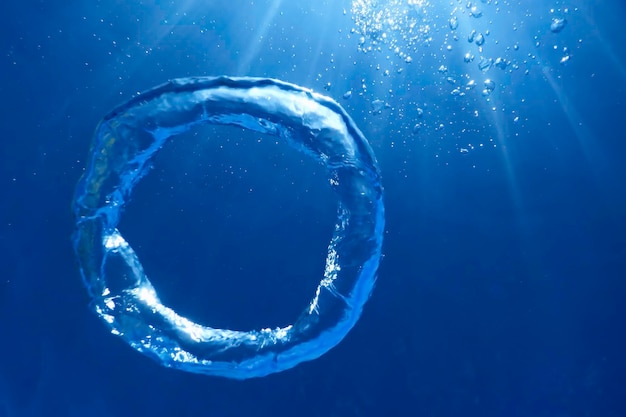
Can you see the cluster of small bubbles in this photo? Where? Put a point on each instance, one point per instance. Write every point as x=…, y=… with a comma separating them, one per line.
x=399, y=25
x=419, y=113
x=557, y=25
x=461, y=90
x=468, y=147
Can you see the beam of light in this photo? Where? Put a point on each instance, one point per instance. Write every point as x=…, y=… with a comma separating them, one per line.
x=593, y=155
x=466, y=24
x=253, y=49
x=604, y=41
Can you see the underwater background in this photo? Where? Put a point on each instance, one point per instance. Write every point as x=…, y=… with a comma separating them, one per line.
x=499, y=131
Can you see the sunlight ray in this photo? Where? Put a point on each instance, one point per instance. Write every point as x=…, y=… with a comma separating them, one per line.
x=253, y=49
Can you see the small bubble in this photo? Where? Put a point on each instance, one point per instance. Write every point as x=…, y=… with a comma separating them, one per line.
x=557, y=25
x=489, y=85
x=378, y=106
x=453, y=22
x=347, y=94
x=476, y=12
x=501, y=63
x=471, y=36
x=485, y=64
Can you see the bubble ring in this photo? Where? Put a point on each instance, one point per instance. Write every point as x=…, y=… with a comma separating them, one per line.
x=123, y=146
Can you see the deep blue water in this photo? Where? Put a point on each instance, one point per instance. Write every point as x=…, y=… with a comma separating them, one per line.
x=501, y=289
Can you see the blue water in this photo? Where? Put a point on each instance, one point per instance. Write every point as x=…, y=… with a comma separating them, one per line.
x=503, y=275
